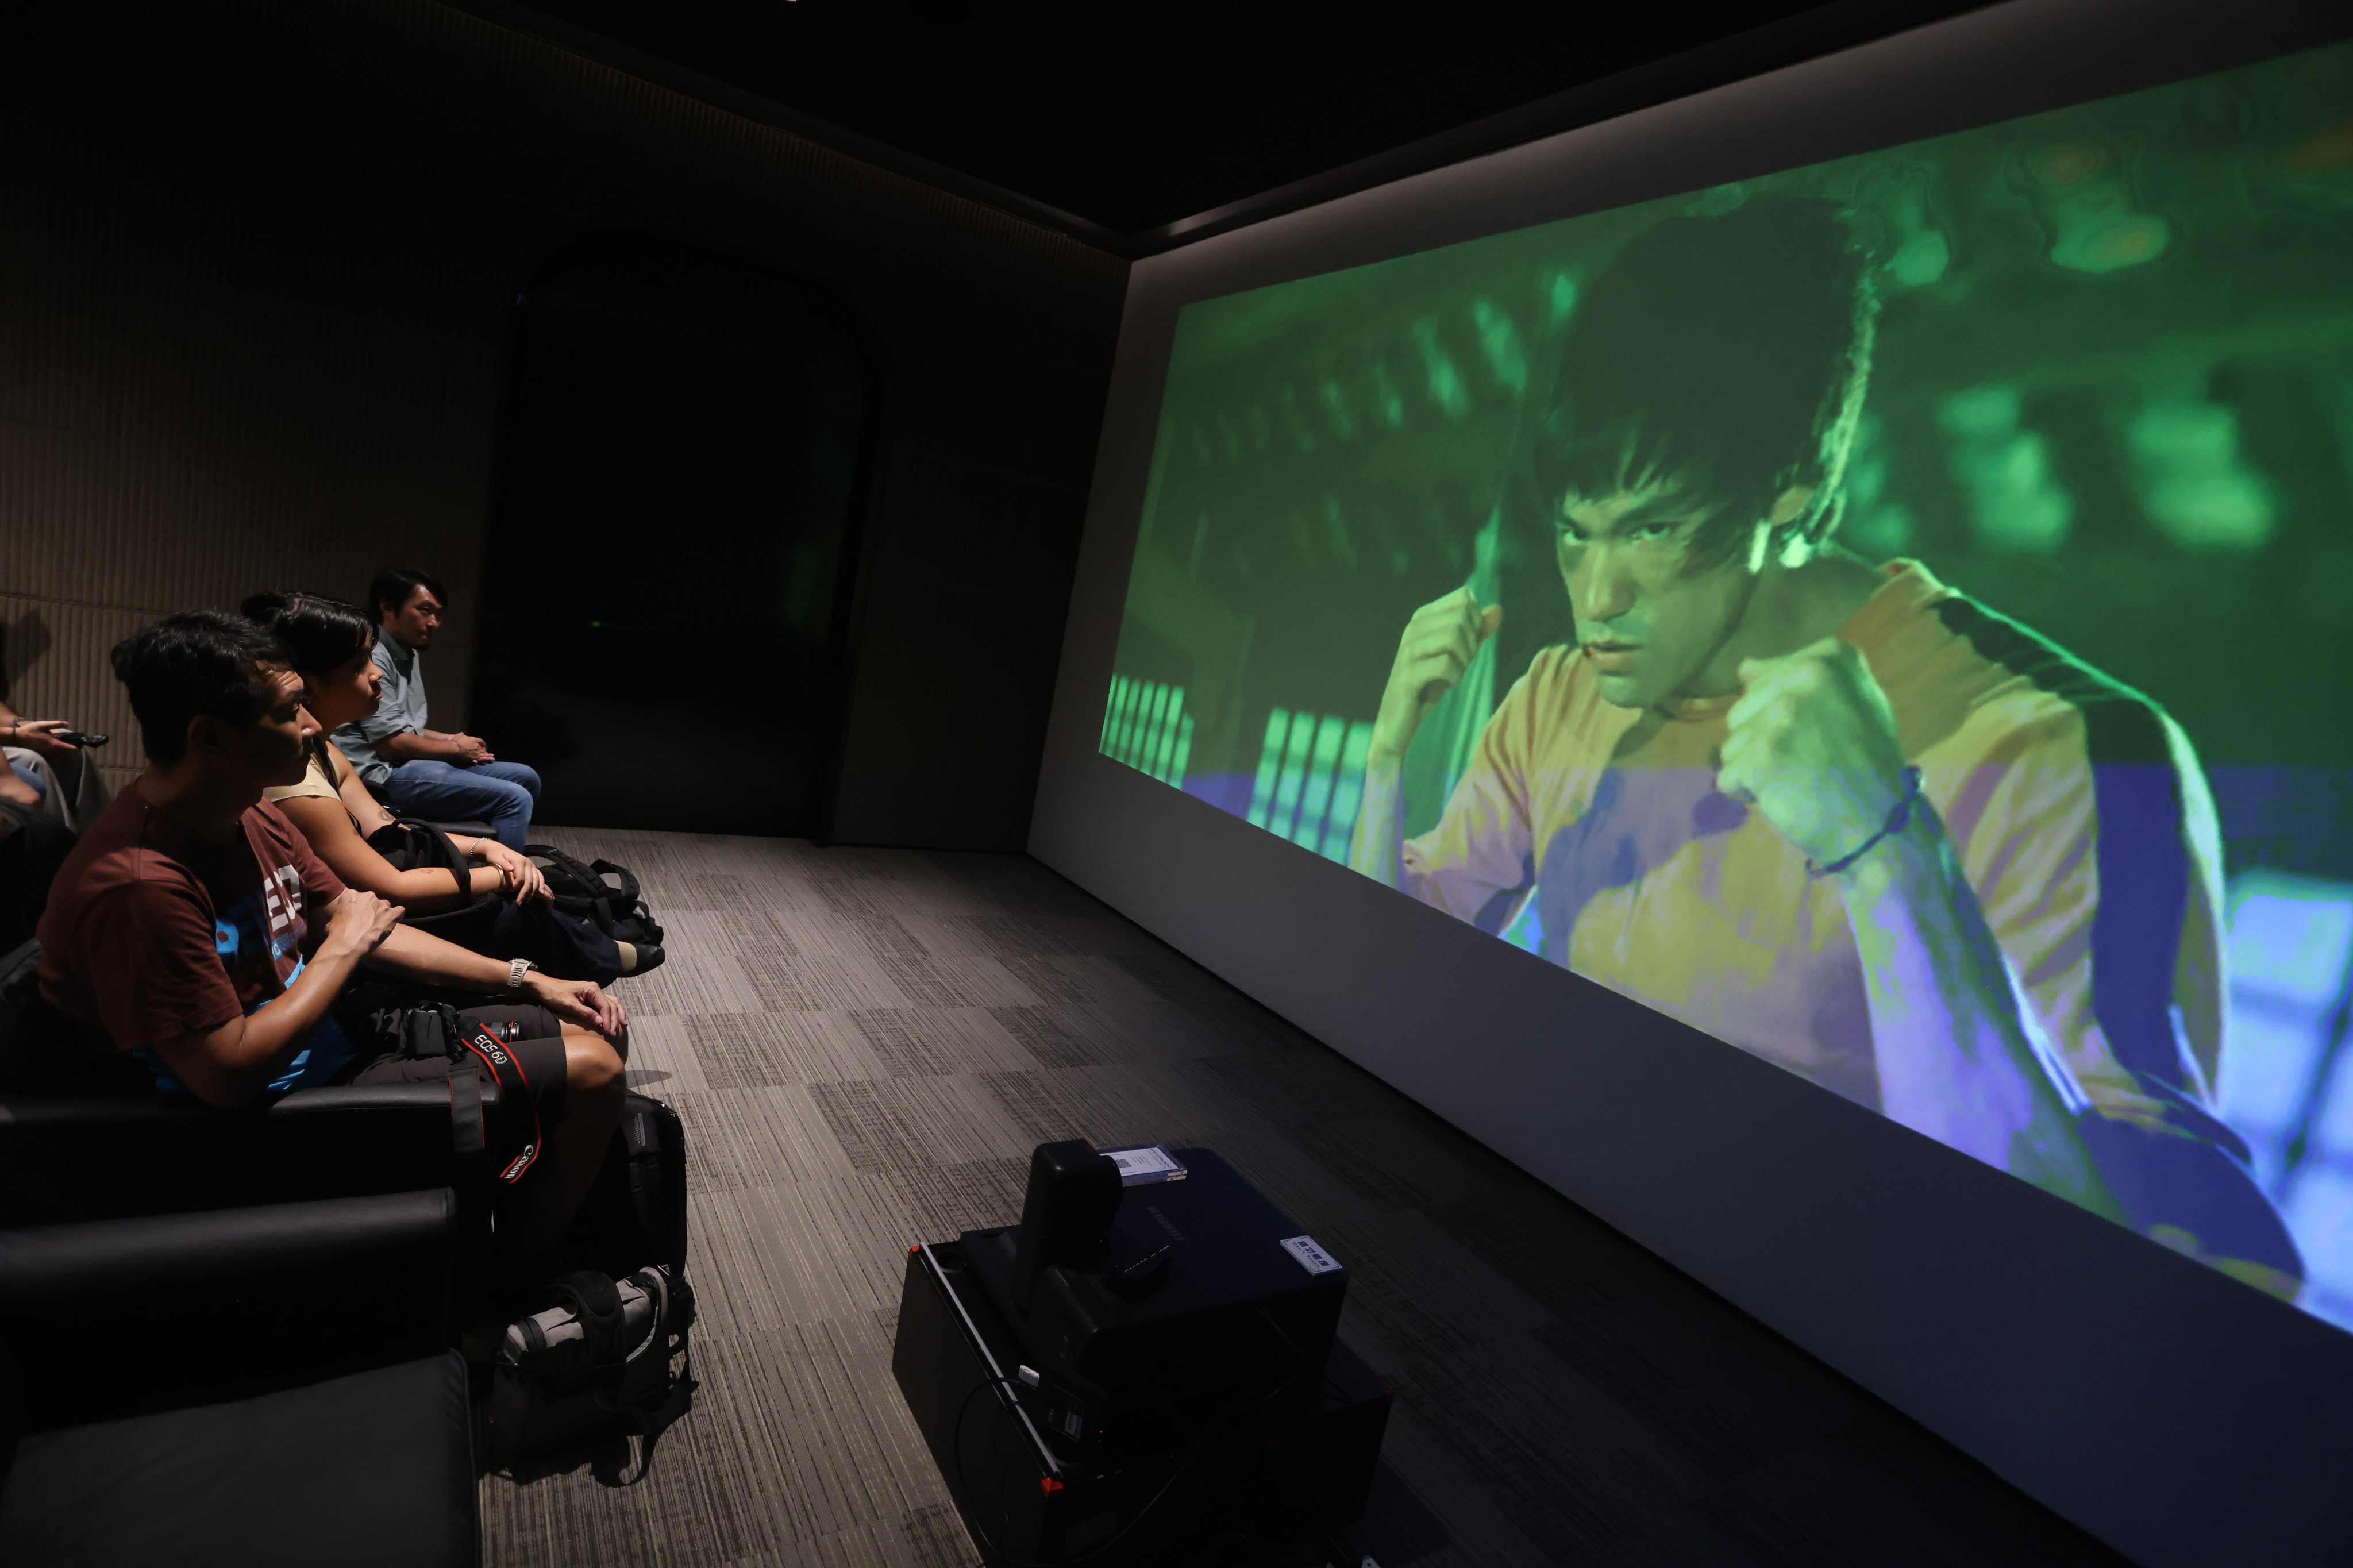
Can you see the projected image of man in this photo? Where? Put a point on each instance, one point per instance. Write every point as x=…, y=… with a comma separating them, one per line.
x=1829, y=810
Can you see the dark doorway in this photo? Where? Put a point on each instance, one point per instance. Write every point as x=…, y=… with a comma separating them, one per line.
x=671, y=532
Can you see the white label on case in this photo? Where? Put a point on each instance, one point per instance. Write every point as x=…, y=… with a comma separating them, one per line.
x=1311, y=1258
x=1150, y=1163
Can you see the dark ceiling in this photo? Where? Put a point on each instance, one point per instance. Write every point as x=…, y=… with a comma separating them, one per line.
x=1132, y=115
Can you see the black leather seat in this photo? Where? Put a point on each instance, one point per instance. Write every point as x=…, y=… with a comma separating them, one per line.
x=373, y=1467
x=230, y=1331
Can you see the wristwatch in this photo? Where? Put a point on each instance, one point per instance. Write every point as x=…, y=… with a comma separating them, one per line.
x=516, y=971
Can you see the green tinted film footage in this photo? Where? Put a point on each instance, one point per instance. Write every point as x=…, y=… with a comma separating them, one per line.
x=1895, y=616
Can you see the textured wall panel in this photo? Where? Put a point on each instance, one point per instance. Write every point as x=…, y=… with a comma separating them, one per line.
x=254, y=268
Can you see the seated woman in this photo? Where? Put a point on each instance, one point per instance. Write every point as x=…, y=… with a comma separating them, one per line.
x=486, y=896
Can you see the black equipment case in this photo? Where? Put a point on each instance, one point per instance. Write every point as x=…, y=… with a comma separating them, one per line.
x=1064, y=1433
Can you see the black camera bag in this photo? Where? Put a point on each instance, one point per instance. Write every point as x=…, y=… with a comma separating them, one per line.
x=635, y=1214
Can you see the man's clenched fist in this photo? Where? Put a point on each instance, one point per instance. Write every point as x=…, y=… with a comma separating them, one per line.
x=1812, y=744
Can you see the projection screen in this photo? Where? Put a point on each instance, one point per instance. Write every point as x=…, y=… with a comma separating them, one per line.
x=1891, y=613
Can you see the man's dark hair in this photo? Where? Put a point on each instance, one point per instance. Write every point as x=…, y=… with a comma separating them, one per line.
x=393, y=584
x=320, y=634
x=196, y=663
x=1732, y=351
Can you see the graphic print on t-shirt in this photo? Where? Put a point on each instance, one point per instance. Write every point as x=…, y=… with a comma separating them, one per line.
x=266, y=926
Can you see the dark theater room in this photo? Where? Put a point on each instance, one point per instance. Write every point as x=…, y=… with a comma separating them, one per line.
x=996, y=783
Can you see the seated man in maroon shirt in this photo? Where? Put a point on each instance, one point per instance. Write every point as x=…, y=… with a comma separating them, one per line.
x=193, y=930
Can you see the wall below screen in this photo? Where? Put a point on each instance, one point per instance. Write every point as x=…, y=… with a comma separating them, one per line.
x=257, y=265
x=2179, y=1414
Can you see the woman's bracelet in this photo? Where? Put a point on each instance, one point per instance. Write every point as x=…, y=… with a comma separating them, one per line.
x=1899, y=815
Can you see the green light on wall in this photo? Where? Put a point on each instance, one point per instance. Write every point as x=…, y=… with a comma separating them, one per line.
x=1335, y=404
x=1145, y=726
x=1446, y=388
x=2196, y=488
x=1310, y=780
x=1270, y=767
x=1561, y=298
x=1287, y=784
x=2017, y=505
x=1347, y=793
x=1500, y=337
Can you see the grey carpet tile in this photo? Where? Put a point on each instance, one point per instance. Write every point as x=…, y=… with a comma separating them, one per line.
x=936, y=1537
x=1383, y=1161
x=953, y=980
x=1049, y=979
x=1641, y=1465
x=1769, y=1395
x=1569, y=1514
x=1049, y=1038
x=803, y=1250
x=1480, y=1520
x=713, y=981
x=1000, y=936
x=752, y=934
x=1017, y=883
x=812, y=982
x=1299, y=1084
x=1049, y=1107
x=925, y=1042
x=751, y=1050
x=885, y=935
x=715, y=891
x=1500, y=1226
x=558, y=1522
x=942, y=1202
x=1687, y=1418
x=864, y=1044
x=1137, y=1023
x=662, y=1060
x=892, y=1123
x=757, y=1137
x=1100, y=1024
x=1411, y=1257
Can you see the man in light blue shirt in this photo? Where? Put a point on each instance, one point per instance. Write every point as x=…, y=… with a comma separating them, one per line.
x=422, y=772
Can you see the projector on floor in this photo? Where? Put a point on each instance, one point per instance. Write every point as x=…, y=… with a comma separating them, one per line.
x=1145, y=1369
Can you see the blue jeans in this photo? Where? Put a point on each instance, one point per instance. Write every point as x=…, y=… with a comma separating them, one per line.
x=501, y=794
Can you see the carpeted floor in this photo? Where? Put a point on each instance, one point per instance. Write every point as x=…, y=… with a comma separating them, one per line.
x=865, y=1045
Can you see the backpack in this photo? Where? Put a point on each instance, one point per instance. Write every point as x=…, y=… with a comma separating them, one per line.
x=409, y=845
x=601, y=1362
x=564, y=942
x=602, y=892
x=636, y=1212
x=590, y=1369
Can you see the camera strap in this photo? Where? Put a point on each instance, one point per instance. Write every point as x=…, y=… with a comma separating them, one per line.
x=514, y=1094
